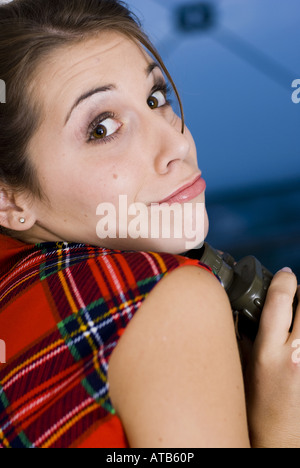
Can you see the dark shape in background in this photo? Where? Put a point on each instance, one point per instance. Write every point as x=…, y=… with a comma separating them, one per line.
x=198, y=16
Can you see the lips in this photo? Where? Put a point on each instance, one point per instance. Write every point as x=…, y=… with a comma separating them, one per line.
x=187, y=193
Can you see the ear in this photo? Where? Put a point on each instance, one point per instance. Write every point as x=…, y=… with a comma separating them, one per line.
x=14, y=208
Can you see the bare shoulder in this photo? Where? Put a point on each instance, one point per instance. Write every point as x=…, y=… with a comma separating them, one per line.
x=176, y=370
x=191, y=285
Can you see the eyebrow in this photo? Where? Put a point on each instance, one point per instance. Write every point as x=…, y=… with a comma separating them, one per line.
x=103, y=89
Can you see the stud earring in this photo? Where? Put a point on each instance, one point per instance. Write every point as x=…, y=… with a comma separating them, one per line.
x=22, y=220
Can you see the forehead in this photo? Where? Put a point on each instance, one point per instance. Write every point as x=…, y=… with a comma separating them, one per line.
x=110, y=57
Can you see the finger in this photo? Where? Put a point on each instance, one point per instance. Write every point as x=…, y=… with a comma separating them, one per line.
x=278, y=313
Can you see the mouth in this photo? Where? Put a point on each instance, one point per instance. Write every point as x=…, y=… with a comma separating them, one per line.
x=187, y=192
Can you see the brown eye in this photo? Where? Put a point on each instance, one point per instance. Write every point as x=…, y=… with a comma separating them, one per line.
x=103, y=129
x=152, y=102
x=157, y=100
x=100, y=132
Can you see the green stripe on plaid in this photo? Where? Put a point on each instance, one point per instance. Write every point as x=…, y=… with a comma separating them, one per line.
x=21, y=441
x=3, y=398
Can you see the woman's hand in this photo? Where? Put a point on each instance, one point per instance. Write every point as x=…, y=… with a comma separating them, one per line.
x=273, y=381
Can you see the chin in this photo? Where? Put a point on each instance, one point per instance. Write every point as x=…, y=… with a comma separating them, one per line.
x=172, y=245
x=181, y=246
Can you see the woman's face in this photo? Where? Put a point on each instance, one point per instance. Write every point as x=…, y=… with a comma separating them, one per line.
x=109, y=149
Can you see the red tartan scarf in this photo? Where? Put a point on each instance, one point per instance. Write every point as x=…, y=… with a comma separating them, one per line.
x=63, y=308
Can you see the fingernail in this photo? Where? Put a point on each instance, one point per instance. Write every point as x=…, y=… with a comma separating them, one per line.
x=287, y=270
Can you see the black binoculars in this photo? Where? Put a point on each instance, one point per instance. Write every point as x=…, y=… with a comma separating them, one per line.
x=246, y=283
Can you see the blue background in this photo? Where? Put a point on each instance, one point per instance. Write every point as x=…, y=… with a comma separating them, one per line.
x=235, y=79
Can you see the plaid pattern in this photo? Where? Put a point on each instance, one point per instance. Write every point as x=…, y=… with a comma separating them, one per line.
x=63, y=308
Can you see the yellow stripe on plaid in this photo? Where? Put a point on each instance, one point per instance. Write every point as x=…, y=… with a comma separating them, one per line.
x=82, y=326
x=160, y=262
x=17, y=285
x=31, y=360
x=69, y=424
x=4, y=440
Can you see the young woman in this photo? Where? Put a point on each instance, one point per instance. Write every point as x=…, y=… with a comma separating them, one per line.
x=116, y=341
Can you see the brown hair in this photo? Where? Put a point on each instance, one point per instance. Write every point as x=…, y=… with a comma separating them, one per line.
x=29, y=30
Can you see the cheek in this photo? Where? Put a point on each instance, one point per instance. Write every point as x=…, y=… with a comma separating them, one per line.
x=80, y=179
x=192, y=143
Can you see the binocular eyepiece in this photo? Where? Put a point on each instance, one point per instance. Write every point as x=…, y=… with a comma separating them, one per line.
x=246, y=283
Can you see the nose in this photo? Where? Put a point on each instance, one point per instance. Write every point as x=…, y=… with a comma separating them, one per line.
x=169, y=145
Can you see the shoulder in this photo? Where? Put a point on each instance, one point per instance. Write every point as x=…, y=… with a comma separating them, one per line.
x=171, y=364
x=188, y=292
x=186, y=297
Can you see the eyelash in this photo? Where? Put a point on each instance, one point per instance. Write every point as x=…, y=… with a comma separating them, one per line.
x=163, y=87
